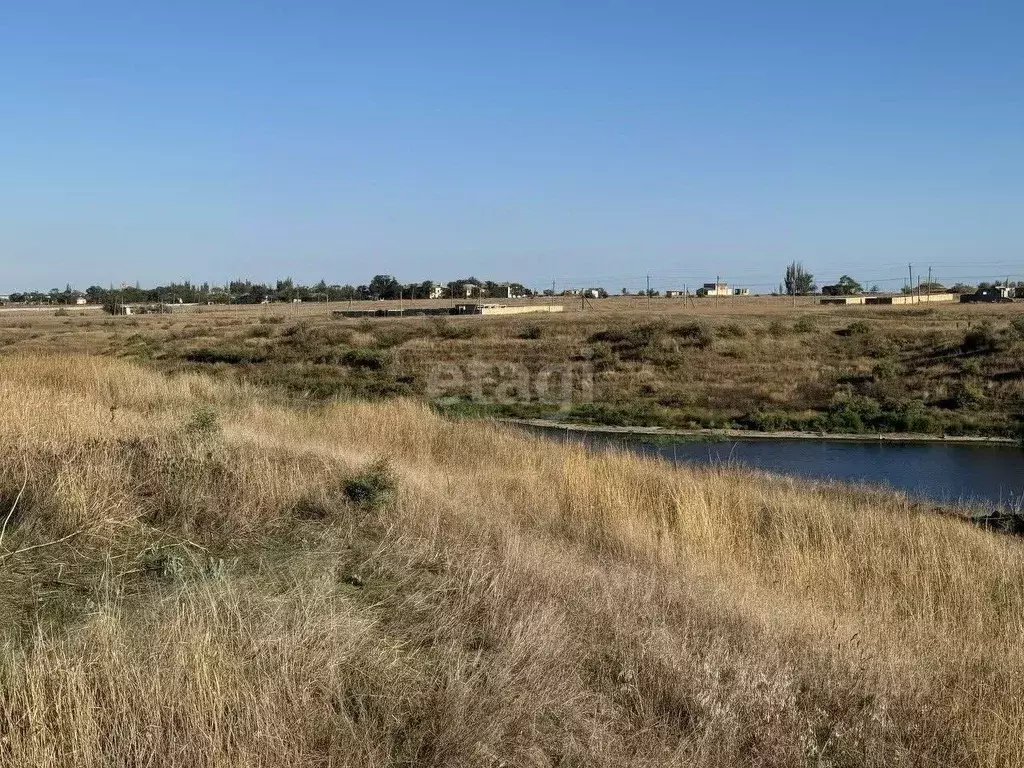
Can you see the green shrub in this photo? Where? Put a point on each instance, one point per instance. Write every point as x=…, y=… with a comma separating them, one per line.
x=530, y=332
x=443, y=329
x=229, y=356
x=805, y=324
x=885, y=370
x=968, y=393
x=369, y=359
x=981, y=339
x=695, y=333
x=856, y=328
x=373, y=487
x=766, y=421
x=203, y=422
x=395, y=336
x=732, y=331
x=261, y=331
x=970, y=367
x=777, y=328
x=601, y=356
x=632, y=343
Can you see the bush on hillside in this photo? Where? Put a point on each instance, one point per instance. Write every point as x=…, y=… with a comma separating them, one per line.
x=373, y=487
x=980, y=340
x=697, y=334
x=370, y=359
x=805, y=324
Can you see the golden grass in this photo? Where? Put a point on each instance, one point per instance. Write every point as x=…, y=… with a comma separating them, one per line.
x=186, y=583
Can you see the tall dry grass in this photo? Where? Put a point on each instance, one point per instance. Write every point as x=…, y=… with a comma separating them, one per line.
x=187, y=578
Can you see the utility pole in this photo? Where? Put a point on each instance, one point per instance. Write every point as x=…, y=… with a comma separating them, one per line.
x=910, y=285
x=718, y=289
x=648, y=293
x=929, y=282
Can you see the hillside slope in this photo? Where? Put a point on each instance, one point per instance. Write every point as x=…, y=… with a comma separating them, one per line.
x=193, y=576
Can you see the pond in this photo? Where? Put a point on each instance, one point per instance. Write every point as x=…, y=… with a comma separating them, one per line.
x=947, y=473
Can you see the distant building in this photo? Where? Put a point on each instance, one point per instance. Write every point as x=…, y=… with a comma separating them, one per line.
x=714, y=289
x=740, y=291
x=673, y=294
x=998, y=293
x=436, y=291
x=81, y=301
x=4, y=298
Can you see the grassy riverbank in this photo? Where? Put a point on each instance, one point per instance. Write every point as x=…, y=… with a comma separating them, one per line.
x=758, y=364
x=196, y=575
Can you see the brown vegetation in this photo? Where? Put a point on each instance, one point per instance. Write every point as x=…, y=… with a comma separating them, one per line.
x=195, y=576
x=765, y=364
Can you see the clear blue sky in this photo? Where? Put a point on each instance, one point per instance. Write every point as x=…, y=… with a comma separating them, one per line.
x=579, y=141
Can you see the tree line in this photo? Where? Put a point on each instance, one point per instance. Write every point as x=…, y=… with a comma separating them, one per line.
x=284, y=290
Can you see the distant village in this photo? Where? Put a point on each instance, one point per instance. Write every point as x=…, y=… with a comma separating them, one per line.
x=798, y=282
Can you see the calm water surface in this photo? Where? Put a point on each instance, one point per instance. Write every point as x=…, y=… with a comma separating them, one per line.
x=943, y=472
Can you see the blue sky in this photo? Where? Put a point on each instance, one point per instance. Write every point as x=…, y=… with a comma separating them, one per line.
x=584, y=142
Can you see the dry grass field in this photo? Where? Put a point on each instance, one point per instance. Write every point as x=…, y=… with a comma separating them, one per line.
x=756, y=363
x=197, y=575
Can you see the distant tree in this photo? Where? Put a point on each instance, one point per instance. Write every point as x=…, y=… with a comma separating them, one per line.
x=518, y=289
x=495, y=290
x=384, y=287
x=848, y=286
x=285, y=290
x=798, y=281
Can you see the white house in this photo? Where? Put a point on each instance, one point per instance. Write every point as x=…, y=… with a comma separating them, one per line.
x=714, y=289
